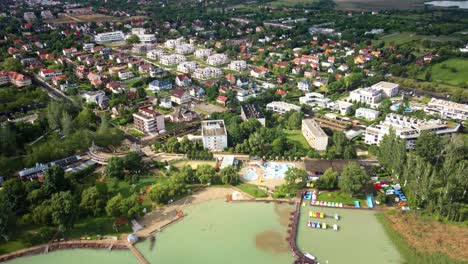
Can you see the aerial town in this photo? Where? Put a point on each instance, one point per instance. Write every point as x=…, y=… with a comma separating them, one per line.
x=233, y=131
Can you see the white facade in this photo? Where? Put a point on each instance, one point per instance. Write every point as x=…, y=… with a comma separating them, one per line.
x=217, y=59
x=315, y=99
x=185, y=48
x=343, y=107
x=368, y=95
x=304, y=85
x=282, y=107
x=214, y=135
x=238, y=65
x=155, y=54
x=314, y=134
x=366, y=113
x=172, y=43
x=142, y=35
x=447, y=109
x=172, y=59
x=109, y=37
x=159, y=85
x=406, y=128
x=124, y=75
x=388, y=89
x=187, y=66
x=203, y=53
x=207, y=73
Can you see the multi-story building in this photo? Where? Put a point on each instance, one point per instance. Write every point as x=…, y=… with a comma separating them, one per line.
x=187, y=66
x=304, y=85
x=447, y=109
x=180, y=96
x=48, y=74
x=143, y=36
x=183, y=80
x=29, y=16
x=315, y=99
x=68, y=52
x=185, y=48
x=282, y=107
x=142, y=48
x=368, y=95
x=217, y=59
x=125, y=74
x=314, y=134
x=148, y=121
x=214, y=135
x=203, y=53
x=407, y=128
x=97, y=97
x=238, y=65
x=160, y=85
x=207, y=73
x=109, y=37
x=249, y=111
x=155, y=54
x=172, y=43
x=17, y=79
x=172, y=59
x=366, y=113
x=46, y=14
x=388, y=89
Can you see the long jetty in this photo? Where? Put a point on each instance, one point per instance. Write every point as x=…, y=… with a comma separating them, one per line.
x=137, y=253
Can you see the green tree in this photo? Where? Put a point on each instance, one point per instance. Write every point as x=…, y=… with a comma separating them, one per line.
x=85, y=119
x=94, y=200
x=392, y=153
x=353, y=178
x=115, y=206
x=159, y=193
x=206, y=174
x=187, y=173
x=64, y=210
x=8, y=145
x=7, y=218
x=133, y=162
x=14, y=195
x=229, y=175
x=66, y=124
x=115, y=168
x=329, y=180
x=296, y=178
x=429, y=145
x=133, y=39
x=55, y=180
x=11, y=64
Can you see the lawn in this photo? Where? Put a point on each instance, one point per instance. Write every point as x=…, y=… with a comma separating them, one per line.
x=340, y=197
x=451, y=71
x=291, y=2
x=252, y=190
x=193, y=163
x=297, y=137
x=399, y=38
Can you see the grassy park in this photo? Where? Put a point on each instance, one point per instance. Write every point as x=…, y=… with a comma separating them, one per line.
x=340, y=197
x=297, y=137
x=252, y=190
x=452, y=71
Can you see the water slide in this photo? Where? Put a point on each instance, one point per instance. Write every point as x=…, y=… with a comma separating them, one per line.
x=370, y=199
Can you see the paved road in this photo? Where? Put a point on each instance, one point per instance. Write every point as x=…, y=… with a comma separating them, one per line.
x=53, y=92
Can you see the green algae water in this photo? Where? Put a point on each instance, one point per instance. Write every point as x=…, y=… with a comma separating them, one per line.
x=220, y=232
x=360, y=239
x=79, y=256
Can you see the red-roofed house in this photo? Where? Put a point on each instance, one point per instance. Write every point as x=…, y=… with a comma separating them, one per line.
x=222, y=99
x=48, y=74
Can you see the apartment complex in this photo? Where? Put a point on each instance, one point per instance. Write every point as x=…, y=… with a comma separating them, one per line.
x=207, y=73
x=314, y=134
x=282, y=107
x=366, y=113
x=374, y=94
x=315, y=99
x=187, y=66
x=17, y=79
x=148, y=121
x=172, y=59
x=447, y=109
x=238, y=65
x=143, y=36
x=185, y=48
x=214, y=135
x=407, y=128
x=202, y=53
x=109, y=37
x=249, y=111
x=217, y=59
x=155, y=54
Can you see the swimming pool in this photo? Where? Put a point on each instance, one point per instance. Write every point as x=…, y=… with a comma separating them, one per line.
x=271, y=170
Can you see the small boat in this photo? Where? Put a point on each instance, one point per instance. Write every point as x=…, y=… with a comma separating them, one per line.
x=309, y=256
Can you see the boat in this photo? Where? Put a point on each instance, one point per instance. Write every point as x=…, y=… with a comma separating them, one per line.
x=309, y=256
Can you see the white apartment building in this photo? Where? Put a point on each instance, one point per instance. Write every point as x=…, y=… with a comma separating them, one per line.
x=207, y=73
x=447, y=109
x=282, y=107
x=172, y=43
x=368, y=95
x=388, y=89
x=187, y=66
x=142, y=35
x=238, y=65
x=155, y=54
x=315, y=99
x=148, y=121
x=366, y=113
x=124, y=75
x=203, y=53
x=109, y=37
x=343, y=107
x=185, y=48
x=217, y=59
x=214, y=135
x=304, y=85
x=407, y=128
x=172, y=59
x=314, y=134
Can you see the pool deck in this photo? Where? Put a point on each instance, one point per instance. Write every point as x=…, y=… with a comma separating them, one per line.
x=267, y=182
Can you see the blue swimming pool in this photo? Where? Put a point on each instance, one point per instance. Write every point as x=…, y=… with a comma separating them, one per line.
x=251, y=174
x=271, y=170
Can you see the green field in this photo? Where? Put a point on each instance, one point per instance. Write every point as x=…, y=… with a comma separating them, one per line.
x=452, y=71
x=291, y=2
x=407, y=37
x=252, y=190
x=297, y=137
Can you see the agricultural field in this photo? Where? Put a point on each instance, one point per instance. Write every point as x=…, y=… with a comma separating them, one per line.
x=407, y=37
x=452, y=71
x=291, y=2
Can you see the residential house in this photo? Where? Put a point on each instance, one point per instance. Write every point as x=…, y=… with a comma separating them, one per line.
x=282, y=107
x=183, y=80
x=180, y=96
x=160, y=85
x=366, y=113
x=304, y=85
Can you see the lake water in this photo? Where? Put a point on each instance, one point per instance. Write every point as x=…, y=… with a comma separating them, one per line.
x=79, y=256
x=211, y=232
x=217, y=232
x=360, y=238
x=459, y=4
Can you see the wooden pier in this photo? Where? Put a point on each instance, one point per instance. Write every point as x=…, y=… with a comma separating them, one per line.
x=137, y=253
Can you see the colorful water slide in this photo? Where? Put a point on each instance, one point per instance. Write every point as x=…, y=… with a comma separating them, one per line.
x=370, y=201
